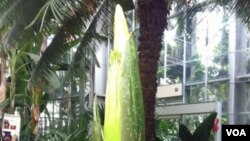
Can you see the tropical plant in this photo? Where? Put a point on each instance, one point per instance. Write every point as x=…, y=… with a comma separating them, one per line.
x=166, y=128
x=52, y=15
x=29, y=24
x=201, y=133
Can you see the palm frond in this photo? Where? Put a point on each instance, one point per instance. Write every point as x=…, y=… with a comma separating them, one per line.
x=7, y=11
x=31, y=22
x=52, y=55
x=60, y=9
x=20, y=14
x=51, y=22
x=86, y=50
x=242, y=10
x=185, y=11
x=16, y=17
x=104, y=19
x=66, y=38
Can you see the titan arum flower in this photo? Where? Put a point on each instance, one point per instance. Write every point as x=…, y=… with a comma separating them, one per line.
x=124, y=113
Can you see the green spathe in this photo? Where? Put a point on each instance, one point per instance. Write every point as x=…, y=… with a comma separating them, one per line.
x=124, y=113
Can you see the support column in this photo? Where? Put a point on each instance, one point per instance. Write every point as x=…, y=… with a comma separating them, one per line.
x=233, y=37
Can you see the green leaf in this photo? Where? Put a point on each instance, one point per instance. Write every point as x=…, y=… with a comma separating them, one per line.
x=203, y=131
x=34, y=57
x=184, y=133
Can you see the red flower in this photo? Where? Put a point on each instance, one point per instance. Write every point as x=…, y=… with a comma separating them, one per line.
x=216, y=121
x=216, y=126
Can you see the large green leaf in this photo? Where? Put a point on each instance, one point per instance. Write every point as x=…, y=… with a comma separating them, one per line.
x=185, y=134
x=203, y=131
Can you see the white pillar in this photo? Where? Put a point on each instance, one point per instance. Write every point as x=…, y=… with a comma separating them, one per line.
x=232, y=66
x=219, y=115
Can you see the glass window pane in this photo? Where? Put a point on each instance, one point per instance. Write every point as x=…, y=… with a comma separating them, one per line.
x=218, y=91
x=196, y=93
x=218, y=68
x=195, y=71
x=175, y=52
x=169, y=101
x=242, y=103
x=193, y=121
x=174, y=74
x=243, y=62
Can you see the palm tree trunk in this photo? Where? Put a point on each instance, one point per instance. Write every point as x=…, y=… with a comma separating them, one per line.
x=153, y=20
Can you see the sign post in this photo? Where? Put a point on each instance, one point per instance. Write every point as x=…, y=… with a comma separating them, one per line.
x=11, y=127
